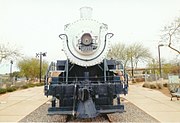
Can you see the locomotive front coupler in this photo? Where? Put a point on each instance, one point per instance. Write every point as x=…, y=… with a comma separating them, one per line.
x=86, y=107
x=84, y=90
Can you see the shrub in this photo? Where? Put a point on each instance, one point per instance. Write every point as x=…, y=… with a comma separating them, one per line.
x=159, y=85
x=133, y=80
x=24, y=86
x=146, y=85
x=165, y=84
x=31, y=85
x=14, y=88
x=11, y=89
x=153, y=86
x=139, y=79
x=3, y=91
x=39, y=84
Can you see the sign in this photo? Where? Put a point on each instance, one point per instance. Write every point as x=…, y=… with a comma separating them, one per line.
x=173, y=79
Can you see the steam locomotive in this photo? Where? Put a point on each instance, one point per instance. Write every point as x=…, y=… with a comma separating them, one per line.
x=86, y=84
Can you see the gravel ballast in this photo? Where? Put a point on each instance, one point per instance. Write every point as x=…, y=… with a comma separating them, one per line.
x=132, y=114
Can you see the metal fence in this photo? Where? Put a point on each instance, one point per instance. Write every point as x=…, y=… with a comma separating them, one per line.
x=156, y=77
x=6, y=81
x=173, y=82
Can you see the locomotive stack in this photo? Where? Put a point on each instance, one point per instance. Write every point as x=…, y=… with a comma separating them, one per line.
x=85, y=84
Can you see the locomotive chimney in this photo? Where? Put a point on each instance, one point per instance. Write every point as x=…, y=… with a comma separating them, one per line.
x=86, y=12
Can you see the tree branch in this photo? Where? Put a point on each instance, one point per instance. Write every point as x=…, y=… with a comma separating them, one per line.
x=173, y=48
x=173, y=34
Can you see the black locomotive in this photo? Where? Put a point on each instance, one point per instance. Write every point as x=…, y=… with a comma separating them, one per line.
x=86, y=84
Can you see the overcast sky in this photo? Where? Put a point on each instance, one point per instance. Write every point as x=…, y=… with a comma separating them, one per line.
x=34, y=25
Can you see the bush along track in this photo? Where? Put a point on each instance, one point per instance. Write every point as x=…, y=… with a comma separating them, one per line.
x=14, y=88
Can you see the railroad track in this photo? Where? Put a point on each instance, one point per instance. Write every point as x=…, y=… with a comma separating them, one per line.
x=99, y=118
x=132, y=114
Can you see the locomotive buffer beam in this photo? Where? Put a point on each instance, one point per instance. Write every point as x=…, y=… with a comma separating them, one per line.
x=85, y=107
x=105, y=109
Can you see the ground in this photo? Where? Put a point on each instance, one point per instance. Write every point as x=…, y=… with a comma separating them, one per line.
x=165, y=91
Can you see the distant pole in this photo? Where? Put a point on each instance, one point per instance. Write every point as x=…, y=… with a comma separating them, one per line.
x=40, y=75
x=10, y=73
x=160, y=72
x=132, y=68
x=178, y=65
x=40, y=60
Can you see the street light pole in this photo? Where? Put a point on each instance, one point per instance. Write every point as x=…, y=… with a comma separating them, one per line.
x=40, y=71
x=10, y=74
x=132, y=68
x=40, y=74
x=160, y=72
x=11, y=62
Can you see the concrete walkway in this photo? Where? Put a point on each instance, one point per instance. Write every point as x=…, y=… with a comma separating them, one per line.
x=16, y=105
x=154, y=103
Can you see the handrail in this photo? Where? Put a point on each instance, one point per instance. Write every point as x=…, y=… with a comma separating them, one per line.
x=81, y=79
x=47, y=73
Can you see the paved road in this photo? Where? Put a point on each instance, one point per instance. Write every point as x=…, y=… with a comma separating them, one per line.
x=155, y=103
x=16, y=105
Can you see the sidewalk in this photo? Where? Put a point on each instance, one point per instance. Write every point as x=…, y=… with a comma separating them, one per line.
x=154, y=103
x=16, y=105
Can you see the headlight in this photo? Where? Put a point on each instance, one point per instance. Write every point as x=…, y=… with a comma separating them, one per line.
x=86, y=39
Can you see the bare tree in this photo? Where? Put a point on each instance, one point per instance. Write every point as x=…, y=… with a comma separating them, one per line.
x=133, y=53
x=171, y=35
x=119, y=52
x=8, y=52
x=139, y=53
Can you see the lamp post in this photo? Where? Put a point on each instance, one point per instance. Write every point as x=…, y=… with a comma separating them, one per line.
x=40, y=60
x=11, y=62
x=10, y=74
x=132, y=68
x=160, y=59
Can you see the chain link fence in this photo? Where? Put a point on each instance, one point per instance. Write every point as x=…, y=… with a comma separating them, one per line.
x=6, y=84
x=6, y=81
x=156, y=77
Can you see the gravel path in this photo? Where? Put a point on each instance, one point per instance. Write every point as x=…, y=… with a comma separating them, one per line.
x=132, y=114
